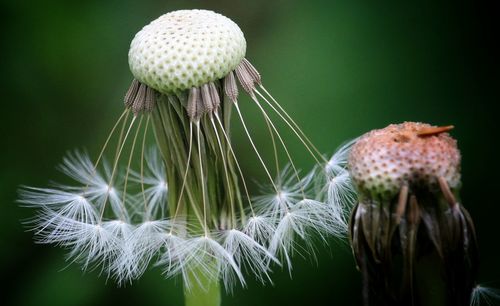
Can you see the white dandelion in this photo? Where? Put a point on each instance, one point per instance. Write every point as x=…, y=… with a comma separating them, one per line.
x=184, y=205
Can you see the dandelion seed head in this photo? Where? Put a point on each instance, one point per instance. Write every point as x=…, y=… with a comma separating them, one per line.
x=185, y=49
x=278, y=198
x=260, y=228
x=248, y=253
x=382, y=160
x=408, y=176
x=181, y=202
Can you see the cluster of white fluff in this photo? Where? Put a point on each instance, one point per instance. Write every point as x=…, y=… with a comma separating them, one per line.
x=121, y=234
x=482, y=295
x=334, y=185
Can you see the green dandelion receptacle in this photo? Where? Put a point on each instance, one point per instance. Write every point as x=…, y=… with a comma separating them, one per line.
x=185, y=49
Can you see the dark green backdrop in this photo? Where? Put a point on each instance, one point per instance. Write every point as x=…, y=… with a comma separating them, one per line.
x=341, y=67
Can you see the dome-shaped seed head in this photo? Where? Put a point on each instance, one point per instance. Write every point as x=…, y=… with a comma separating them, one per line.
x=185, y=49
x=381, y=161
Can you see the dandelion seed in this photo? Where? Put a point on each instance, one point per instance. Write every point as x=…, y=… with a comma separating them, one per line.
x=260, y=228
x=249, y=253
x=60, y=213
x=305, y=219
x=156, y=190
x=334, y=185
x=208, y=257
x=118, y=264
x=484, y=296
x=142, y=245
x=174, y=257
x=286, y=192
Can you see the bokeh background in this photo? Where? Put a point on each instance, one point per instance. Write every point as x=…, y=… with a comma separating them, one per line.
x=340, y=67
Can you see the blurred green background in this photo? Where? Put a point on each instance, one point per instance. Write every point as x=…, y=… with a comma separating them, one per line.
x=340, y=67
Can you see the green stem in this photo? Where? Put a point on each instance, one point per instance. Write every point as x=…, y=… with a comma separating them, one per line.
x=202, y=292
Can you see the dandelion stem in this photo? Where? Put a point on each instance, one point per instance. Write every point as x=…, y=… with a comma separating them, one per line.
x=203, y=291
x=168, y=128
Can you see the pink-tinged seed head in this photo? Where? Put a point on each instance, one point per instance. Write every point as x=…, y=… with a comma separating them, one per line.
x=410, y=153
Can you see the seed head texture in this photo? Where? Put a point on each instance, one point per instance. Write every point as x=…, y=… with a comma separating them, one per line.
x=382, y=160
x=184, y=49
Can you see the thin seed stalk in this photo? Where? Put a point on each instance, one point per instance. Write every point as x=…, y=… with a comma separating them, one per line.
x=175, y=133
